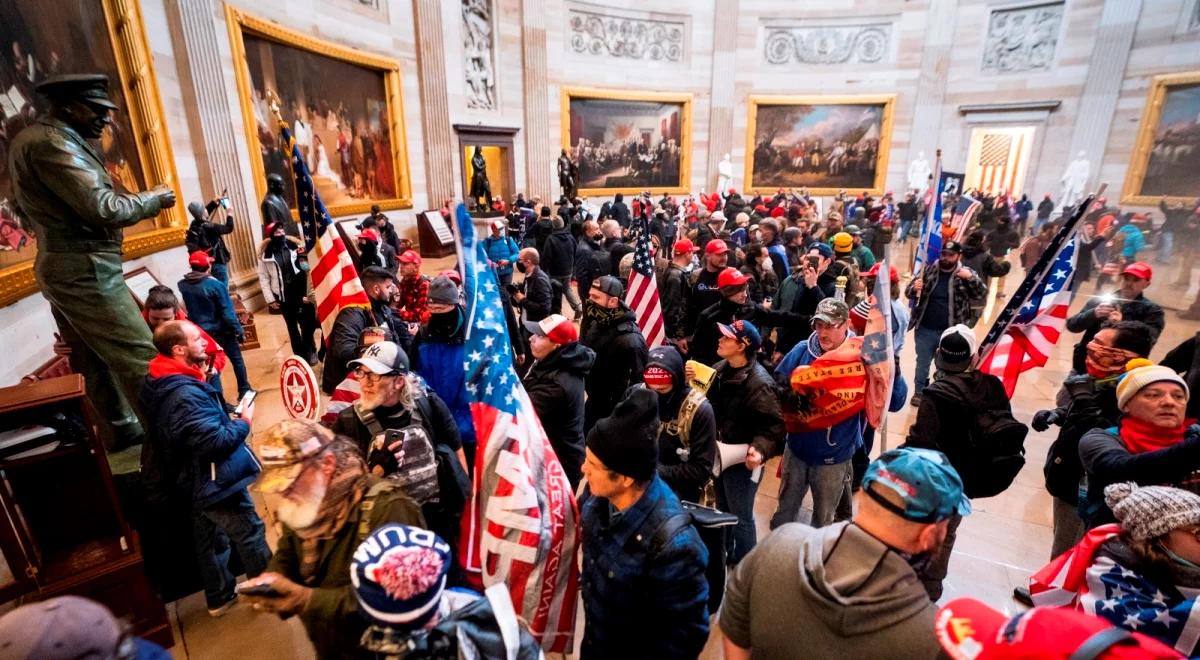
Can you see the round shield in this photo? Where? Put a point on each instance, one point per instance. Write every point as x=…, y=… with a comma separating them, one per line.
x=298, y=387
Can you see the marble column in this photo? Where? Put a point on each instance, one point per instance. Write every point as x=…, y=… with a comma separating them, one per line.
x=197, y=31
x=440, y=145
x=541, y=143
x=1105, y=72
x=931, y=85
x=721, y=93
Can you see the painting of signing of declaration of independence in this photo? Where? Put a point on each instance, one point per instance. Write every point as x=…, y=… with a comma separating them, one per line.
x=824, y=145
x=627, y=143
x=43, y=39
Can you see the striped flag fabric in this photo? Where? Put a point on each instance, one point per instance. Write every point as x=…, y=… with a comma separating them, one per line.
x=521, y=525
x=999, y=155
x=335, y=282
x=642, y=293
x=964, y=212
x=1029, y=326
x=878, y=354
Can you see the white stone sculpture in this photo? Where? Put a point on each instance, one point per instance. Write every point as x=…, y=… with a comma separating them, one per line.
x=1074, y=180
x=724, y=175
x=919, y=173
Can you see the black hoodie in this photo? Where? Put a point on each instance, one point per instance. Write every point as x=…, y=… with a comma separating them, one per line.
x=555, y=385
x=686, y=470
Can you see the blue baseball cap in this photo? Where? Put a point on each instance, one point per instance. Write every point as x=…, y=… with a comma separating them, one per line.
x=930, y=487
x=743, y=331
x=824, y=248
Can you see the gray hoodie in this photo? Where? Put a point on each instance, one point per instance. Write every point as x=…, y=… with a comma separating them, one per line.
x=834, y=592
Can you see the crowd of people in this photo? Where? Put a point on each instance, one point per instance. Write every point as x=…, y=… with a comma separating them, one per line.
x=753, y=292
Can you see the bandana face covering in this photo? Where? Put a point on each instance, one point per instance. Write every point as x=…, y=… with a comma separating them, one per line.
x=1105, y=361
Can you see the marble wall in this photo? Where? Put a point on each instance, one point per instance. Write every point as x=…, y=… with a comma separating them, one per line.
x=1078, y=70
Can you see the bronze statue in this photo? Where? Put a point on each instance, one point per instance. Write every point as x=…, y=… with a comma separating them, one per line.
x=62, y=188
x=568, y=174
x=480, y=187
x=275, y=208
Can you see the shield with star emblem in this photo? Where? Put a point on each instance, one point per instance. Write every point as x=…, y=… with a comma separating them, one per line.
x=298, y=387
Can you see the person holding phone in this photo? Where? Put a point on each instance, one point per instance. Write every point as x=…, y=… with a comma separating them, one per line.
x=198, y=450
x=206, y=233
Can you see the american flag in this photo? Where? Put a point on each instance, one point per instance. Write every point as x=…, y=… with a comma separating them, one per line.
x=1102, y=587
x=877, y=351
x=642, y=293
x=964, y=212
x=930, y=246
x=335, y=281
x=521, y=524
x=1030, y=325
x=999, y=155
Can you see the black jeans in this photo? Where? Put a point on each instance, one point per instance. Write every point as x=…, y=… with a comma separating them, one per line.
x=299, y=327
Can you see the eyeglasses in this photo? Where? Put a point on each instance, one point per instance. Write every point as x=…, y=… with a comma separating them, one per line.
x=369, y=377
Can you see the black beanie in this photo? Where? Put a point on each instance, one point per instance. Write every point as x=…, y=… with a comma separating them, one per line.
x=626, y=440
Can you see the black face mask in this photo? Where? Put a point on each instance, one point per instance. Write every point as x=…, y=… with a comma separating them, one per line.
x=276, y=241
x=445, y=324
x=521, y=266
x=946, y=264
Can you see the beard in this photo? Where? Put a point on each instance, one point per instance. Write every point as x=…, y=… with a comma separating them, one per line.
x=302, y=514
x=372, y=401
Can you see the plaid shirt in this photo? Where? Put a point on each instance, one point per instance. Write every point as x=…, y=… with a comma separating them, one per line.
x=414, y=298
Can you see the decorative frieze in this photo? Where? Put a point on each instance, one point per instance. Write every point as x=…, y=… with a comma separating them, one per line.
x=479, y=54
x=828, y=44
x=1022, y=38
x=651, y=37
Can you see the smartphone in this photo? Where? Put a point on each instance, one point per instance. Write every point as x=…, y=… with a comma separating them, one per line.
x=245, y=403
x=814, y=262
x=262, y=590
x=225, y=202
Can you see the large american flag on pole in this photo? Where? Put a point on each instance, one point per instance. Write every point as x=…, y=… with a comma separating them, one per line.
x=1030, y=324
x=964, y=212
x=335, y=281
x=642, y=293
x=521, y=526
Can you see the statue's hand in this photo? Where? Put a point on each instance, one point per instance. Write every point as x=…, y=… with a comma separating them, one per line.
x=165, y=194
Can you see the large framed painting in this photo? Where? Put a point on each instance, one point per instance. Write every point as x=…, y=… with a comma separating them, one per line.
x=1166, y=156
x=628, y=142
x=41, y=39
x=342, y=105
x=822, y=143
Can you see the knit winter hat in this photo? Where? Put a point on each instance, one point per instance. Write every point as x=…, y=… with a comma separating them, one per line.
x=1140, y=372
x=443, y=291
x=627, y=440
x=1149, y=512
x=398, y=574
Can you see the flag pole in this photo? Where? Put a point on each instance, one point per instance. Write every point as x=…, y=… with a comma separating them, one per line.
x=887, y=254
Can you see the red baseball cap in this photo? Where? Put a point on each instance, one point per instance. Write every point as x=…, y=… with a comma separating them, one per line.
x=731, y=277
x=1139, y=269
x=778, y=212
x=716, y=246
x=970, y=630
x=556, y=327
x=200, y=258
x=684, y=245
x=370, y=235
x=410, y=257
x=874, y=272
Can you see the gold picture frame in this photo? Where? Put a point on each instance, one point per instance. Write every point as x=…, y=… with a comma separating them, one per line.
x=886, y=103
x=1134, y=190
x=570, y=94
x=240, y=24
x=131, y=50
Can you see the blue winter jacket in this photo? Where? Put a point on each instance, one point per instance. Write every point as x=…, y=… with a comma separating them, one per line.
x=209, y=306
x=1135, y=241
x=830, y=446
x=499, y=249
x=440, y=364
x=637, y=605
x=196, y=440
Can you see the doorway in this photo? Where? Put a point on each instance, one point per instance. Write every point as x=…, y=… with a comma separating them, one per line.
x=999, y=159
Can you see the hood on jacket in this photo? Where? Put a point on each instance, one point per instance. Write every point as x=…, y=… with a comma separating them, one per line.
x=193, y=277
x=855, y=584
x=162, y=366
x=573, y=357
x=668, y=359
x=262, y=245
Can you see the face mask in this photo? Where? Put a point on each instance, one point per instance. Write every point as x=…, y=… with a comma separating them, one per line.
x=276, y=240
x=1179, y=560
x=521, y=266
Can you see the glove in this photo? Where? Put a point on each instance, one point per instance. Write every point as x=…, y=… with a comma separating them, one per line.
x=1043, y=419
x=1079, y=385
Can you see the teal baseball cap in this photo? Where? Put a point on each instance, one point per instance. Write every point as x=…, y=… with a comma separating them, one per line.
x=930, y=487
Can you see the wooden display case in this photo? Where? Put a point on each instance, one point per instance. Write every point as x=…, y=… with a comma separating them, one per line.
x=62, y=530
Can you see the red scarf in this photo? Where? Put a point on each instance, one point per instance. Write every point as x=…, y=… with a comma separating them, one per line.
x=162, y=366
x=1140, y=436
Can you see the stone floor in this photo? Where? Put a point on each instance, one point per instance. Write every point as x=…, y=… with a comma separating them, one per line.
x=999, y=544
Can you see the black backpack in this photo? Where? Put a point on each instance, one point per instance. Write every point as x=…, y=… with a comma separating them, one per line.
x=998, y=453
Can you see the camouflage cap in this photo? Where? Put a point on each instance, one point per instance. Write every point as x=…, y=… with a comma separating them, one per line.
x=832, y=311
x=285, y=448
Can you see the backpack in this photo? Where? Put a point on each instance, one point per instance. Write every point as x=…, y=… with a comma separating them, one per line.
x=195, y=239
x=681, y=427
x=997, y=453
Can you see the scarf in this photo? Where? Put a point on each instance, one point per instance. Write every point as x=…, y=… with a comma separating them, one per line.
x=343, y=494
x=1140, y=436
x=603, y=315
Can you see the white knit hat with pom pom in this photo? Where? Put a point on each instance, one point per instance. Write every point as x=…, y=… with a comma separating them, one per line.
x=1148, y=512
